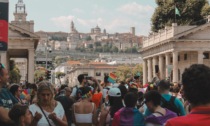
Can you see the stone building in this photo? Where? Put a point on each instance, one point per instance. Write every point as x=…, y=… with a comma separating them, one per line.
x=22, y=41
x=173, y=49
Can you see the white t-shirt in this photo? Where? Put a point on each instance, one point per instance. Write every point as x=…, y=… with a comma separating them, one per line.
x=59, y=111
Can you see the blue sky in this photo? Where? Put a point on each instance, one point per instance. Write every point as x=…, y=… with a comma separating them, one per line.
x=112, y=15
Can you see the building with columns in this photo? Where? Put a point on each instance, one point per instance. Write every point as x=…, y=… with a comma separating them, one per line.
x=173, y=49
x=22, y=41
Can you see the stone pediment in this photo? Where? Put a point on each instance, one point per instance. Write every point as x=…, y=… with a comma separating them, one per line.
x=198, y=33
x=15, y=31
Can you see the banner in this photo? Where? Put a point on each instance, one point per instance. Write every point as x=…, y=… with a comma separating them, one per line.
x=4, y=9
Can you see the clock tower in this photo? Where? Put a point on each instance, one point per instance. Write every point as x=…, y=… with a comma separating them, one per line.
x=20, y=11
x=20, y=17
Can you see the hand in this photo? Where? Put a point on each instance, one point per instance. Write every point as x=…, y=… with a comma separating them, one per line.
x=52, y=116
x=37, y=116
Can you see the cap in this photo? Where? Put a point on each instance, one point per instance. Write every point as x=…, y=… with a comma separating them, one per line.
x=114, y=92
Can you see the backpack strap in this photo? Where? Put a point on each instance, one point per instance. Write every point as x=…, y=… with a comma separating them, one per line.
x=172, y=99
x=163, y=100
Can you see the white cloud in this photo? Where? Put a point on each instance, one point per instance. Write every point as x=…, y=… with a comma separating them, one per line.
x=62, y=21
x=136, y=9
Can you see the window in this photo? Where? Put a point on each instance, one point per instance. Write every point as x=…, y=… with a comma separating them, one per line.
x=178, y=57
x=185, y=56
x=171, y=59
x=205, y=55
x=98, y=74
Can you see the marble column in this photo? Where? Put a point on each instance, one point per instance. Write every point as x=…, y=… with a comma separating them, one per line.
x=4, y=59
x=144, y=71
x=167, y=63
x=154, y=62
x=200, y=57
x=175, y=66
x=161, y=71
x=31, y=65
x=149, y=63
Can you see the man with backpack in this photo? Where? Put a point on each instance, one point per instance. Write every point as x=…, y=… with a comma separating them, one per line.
x=168, y=101
x=82, y=81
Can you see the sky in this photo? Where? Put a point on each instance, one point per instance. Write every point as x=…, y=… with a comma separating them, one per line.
x=112, y=15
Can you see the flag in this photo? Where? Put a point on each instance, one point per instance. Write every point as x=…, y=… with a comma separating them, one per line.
x=112, y=78
x=177, y=11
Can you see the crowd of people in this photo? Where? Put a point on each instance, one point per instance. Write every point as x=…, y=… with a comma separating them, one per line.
x=102, y=103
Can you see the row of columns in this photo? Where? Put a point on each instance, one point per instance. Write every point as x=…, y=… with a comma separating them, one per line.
x=150, y=63
x=149, y=66
x=30, y=60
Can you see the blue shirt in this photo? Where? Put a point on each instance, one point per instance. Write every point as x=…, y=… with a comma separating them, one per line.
x=7, y=100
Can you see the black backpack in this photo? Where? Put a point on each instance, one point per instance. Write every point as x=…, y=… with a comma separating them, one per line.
x=78, y=94
x=170, y=105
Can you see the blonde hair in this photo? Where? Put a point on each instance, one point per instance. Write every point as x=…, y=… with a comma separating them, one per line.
x=45, y=85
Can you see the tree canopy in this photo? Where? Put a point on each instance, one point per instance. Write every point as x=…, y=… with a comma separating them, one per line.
x=14, y=73
x=192, y=12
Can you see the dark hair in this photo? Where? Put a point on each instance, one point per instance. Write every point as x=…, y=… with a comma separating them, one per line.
x=123, y=90
x=130, y=99
x=151, y=87
x=80, y=78
x=153, y=96
x=134, y=90
x=16, y=112
x=196, y=84
x=140, y=96
x=84, y=90
x=106, y=79
x=14, y=88
x=164, y=85
x=115, y=103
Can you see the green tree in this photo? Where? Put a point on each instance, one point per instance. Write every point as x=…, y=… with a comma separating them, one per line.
x=97, y=44
x=192, y=13
x=59, y=75
x=39, y=73
x=14, y=73
x=88, y=38
x=126, y=71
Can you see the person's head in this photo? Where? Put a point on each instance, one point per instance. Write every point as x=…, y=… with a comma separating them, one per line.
x=196, y=84
x=85, y=92
x=67, y=91
x=4, y=76
x=163, y=86
x=20, y=114
x=130, y=100
x=16, y=90
x=45, y=93
x=152, y=100
x=106, y=79
x=137, y=78
x=123, y=90
x=81, y=78
x=115, y=100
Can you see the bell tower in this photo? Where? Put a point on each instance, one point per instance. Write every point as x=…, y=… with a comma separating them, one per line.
x=20, y=15
x=20, y=11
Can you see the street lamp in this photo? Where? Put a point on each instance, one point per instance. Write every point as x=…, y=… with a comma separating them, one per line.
x=46, y=50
